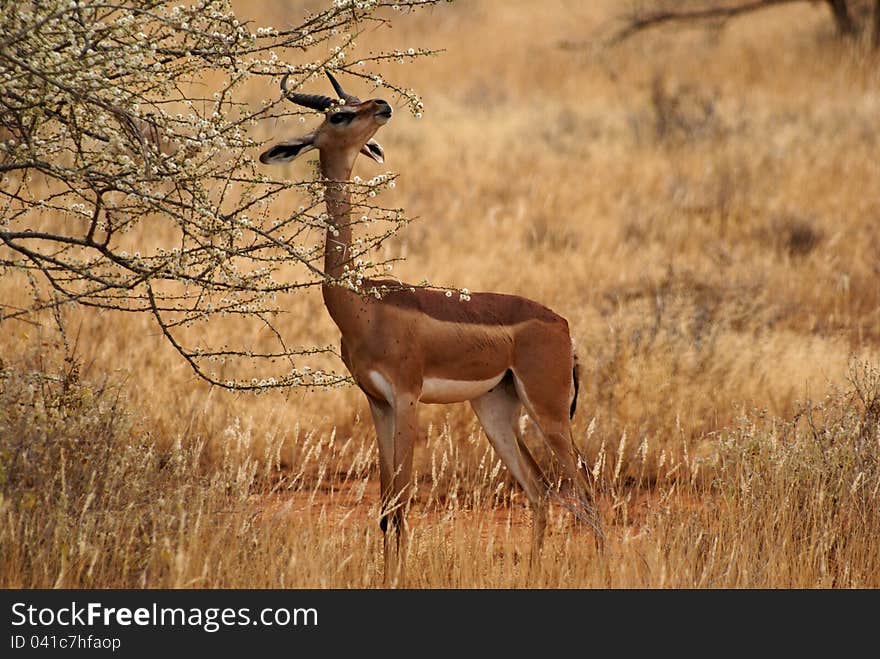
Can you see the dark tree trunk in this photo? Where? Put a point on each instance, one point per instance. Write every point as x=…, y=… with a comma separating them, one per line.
x=875, y=29
x=844, y=22
x=842, y=18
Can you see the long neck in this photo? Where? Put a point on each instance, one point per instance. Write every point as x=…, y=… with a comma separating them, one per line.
x=340, y=301
x=336, y=171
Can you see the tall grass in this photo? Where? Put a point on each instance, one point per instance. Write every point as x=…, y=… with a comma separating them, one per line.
x=90, y=500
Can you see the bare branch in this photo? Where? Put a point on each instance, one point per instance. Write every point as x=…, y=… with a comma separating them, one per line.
x=641, y=22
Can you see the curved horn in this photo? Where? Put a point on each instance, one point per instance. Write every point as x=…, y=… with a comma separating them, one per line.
x=313, y=101
x=340, y=91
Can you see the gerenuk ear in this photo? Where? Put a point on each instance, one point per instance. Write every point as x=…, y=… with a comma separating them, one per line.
x=287, y=151
x=374, y=150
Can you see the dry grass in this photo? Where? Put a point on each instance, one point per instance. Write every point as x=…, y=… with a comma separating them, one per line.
x=700, y=208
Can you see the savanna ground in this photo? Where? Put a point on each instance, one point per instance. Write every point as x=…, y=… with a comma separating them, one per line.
x=701, y=205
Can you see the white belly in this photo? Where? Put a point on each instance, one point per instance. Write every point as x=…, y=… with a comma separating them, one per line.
x=441, y=390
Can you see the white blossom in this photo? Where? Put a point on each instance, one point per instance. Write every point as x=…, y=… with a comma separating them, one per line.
x=130, y=133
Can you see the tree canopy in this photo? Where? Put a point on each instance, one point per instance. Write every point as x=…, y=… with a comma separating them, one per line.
x=126, y=119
